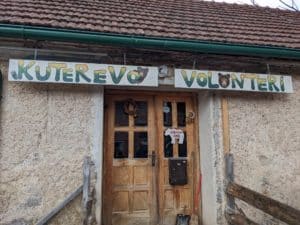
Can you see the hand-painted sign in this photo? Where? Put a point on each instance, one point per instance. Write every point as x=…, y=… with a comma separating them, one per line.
x=200, y=79
x=175, y=134
x=81, y=73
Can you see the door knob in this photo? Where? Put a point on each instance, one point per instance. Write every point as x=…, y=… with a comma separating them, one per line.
x=153, y=158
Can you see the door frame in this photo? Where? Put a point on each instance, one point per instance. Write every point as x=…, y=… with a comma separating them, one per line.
x=197, y=195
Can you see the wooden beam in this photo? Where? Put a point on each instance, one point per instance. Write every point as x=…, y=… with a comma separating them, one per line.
x=229, y=177
x=225, y=123
x=272, y=207
x=229, y=168
x=57, y=209
x=238, y=219
x=86, y=189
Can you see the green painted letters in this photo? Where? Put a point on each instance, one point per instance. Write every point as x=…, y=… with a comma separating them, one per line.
x=67, y=75
x=58, y=67
x=22, y=69
x=210, y=84
x=202, y=79
x=41, y=77
x=252, y=78
x=262, y=84
x=271, y=83
x=235, y=80
x=282, y=87
x=186, y=79
x=133, y=77
x=100, y=76
x=116, y=79
x=80, y=70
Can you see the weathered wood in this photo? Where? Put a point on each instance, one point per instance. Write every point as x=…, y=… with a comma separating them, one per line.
x=238, y=219
x=126, y=180
x=181, y=196
x=230, y=177
x=86, y=189
x=1, y=84
x=225, y=123
x=274, y=208
x=128, y=183
x=57, y=209
x=229, y=168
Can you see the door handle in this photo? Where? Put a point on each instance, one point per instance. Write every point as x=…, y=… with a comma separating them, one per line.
x=153, y=158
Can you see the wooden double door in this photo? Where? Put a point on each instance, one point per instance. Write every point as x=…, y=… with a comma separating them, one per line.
x=143, y=134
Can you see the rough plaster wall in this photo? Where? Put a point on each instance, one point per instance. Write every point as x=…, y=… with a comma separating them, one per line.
x=46, y=130
x=71, y=214
x=265, y=138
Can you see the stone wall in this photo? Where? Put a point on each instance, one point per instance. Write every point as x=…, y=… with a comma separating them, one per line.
x=46, y=130
x=265, y=138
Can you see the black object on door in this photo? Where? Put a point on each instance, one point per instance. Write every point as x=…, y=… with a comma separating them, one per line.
x=183, y=219
x=178, y=172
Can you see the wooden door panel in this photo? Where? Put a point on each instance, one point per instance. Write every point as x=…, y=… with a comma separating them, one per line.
x=125, y=219
x=128, y=173
x=141, y=176
x=121, y=176
x=135, y=191
x=175, y=199
x=120, y=201
x=185, y=199
x=169, y=197
x=141, y=201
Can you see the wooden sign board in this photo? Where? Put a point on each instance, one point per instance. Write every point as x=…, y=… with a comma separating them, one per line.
x=81, y=73
x=231, y=81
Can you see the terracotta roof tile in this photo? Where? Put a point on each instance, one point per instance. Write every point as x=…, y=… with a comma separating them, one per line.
x=188, y=19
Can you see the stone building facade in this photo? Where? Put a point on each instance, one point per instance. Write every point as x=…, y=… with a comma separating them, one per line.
x=47, y=129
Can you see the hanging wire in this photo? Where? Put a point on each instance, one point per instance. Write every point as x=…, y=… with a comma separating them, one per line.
x=194, y=64
x=124, y=56
x=35, y=53
x=268, y=69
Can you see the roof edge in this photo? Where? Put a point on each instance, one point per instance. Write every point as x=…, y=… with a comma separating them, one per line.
x=65, y=35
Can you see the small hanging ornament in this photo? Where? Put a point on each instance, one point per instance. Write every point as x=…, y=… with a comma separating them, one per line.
x=190, y=117
x=130, y=107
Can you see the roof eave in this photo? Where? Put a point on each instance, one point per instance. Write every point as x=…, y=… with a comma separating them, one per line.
x=65, y=35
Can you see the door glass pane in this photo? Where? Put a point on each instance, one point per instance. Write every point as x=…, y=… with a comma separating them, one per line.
x=121, y=118
x=121, y=145
x=140, y=145
x=167, y=110
x=168, y=146
x=141, y=118
x=181, y=114
x=182, y=148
